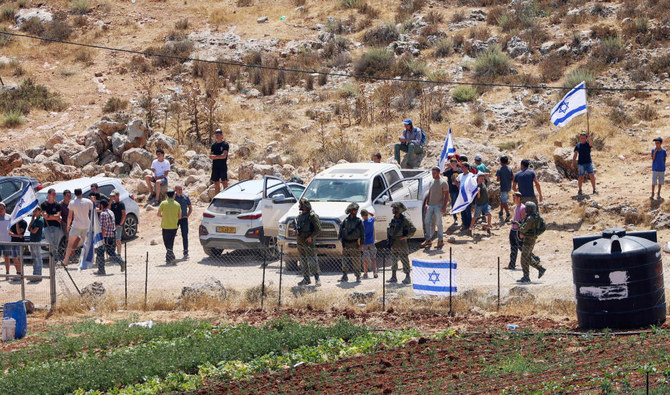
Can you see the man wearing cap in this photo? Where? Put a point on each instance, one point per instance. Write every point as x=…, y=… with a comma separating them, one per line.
x=582, y=157
x=219, y=157
x=410, y=142
x=352, y=236
x=170, y=212
x=119, y=210
x=307, y=226
x=186, y=209
x=399, y=231
x=658, y=156
x=160, y=168
x=435, y=206
x=481, y=167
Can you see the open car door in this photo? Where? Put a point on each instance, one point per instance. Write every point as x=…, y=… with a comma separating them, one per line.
x=275, y=204
x=409, y=192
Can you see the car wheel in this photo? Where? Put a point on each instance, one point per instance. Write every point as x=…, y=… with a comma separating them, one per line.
x=270, y=249
x=130, y=227
x=213, y=252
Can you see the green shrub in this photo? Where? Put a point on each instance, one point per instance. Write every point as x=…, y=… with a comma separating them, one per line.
x=383, y=34
x=409, y=66
x=28, y=96
x=492, y=63
x=58, y=29
x=641, y=25
x=443, y=48
x=4, y=39
x=114, y=104
x=647, y=113
x=173, y=48
x=7, y=14
x=181, y=24
x=12, y=118
x=610, y=50
x=577, y=76
x=464, y=93
x=377, y=62
x=244, y=3
x=660, y=64
x=79, y=7
x=83, y=55
x=33, y=26
x=350, y=3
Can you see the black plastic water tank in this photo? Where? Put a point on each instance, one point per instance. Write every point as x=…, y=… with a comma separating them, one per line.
x=618, y=280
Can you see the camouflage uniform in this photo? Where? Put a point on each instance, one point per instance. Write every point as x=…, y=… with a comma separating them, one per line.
x=527, y=229
x=352, y=235
x=399, y=227
x=307, y=224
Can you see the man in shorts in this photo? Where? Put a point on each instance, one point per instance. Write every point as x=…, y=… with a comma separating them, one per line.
x=504, y=176
x=219, y=157
x=658, y=156
x=118, y=208
x=582, y=157
x=78, y=222
x=5, y=248
x=160, y=168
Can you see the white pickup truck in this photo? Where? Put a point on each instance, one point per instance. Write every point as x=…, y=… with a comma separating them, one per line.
x=374, y=186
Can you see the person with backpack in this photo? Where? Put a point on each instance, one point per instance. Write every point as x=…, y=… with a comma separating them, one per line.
x=412, y=141
x=529, y=230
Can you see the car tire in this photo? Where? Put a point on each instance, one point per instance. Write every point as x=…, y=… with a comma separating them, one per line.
x=213, y=252
x=270, y=249
x=130, y=227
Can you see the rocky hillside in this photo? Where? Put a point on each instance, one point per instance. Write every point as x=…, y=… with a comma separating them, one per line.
x=68, y=110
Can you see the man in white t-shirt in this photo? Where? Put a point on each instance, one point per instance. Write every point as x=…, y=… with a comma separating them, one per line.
x=6, y=249
x=78, y=222
x=160, y=169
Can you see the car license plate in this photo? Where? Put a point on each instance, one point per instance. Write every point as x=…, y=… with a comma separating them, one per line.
x=225, y=229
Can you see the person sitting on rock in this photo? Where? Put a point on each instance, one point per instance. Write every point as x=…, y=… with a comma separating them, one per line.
x=411, y=141
x=160, y=168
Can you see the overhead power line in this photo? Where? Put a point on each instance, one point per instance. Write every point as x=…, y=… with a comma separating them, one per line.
x=327, y=73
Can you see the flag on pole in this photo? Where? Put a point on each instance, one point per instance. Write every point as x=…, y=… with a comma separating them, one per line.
x=434, y=277
x=466, y=194
x=93, y=241
x=447, y=150
x=572, y=105
x=25, y=205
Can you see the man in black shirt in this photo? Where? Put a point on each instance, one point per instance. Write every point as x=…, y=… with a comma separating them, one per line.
x=451, y=173
x=51, y=211
x=219, y=157
x=119, y=210
x=582, y=157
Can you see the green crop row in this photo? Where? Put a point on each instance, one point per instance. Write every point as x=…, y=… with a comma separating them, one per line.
x=159, y=358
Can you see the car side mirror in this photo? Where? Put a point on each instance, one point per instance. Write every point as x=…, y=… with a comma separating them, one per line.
x=382, y=200
x=278, y=198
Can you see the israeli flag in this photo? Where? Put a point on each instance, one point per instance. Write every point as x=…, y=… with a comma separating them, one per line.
x=25, y=205
x=466, y=194
x=572, y=105
x=434, y=277
x=93, y=241
x=446, y=151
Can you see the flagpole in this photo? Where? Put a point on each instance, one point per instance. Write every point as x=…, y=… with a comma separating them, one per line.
x=588, y=128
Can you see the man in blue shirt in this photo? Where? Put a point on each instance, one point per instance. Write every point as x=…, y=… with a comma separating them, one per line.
x=525, y=179
x=369, y=249
x=583, y=151
x=186, y=210
x=658, y=156
x=410, y=142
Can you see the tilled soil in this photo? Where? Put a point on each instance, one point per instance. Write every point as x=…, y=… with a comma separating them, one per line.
x=476, y=363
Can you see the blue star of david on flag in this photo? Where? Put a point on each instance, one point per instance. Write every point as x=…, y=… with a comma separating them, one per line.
x=434, y=277
x=572, y=105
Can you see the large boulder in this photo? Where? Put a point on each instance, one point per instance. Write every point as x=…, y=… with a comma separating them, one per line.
x=33, y=152
x=274, y=159
x=159, y=140
x=138, y=133
x=517, y=47
x=63, y=172
x=563, y=161
x=119, y=142
x=211, y=287
x=200, y=162
x=93, y=137
x=66, y=151
x=10, y=162
x=95, y=290
x=109, y=127
x=82, y=158
x=138, y=155
x=250, y=170
x=55, y=139
x=26, y=14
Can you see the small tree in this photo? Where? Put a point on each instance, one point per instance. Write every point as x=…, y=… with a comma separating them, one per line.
x=147, y=83
x=193, y=103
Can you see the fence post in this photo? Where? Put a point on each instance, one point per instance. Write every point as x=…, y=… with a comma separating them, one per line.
x=52, y=277
x=281, y=266
x=146, y=280
x=263, y=284
x=384, y=279
x=125, y=273
x=451, y=291
x=23, y=274
x=498, y=283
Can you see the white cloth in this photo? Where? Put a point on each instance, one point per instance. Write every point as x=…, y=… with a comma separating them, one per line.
x=572, y=105
x=4, y=227
x=466, y=193
x=160, y=167
x=80, y=209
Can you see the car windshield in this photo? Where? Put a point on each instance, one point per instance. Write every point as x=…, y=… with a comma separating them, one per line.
x=322, y=190
x=223, y=206
x=42, y=196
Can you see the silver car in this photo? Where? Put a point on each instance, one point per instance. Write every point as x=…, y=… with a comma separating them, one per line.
x=233, y=218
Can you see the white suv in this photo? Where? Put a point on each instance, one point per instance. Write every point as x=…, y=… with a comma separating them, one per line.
x=233, y=218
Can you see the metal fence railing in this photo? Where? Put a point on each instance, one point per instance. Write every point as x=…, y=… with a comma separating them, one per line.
x=22, y=285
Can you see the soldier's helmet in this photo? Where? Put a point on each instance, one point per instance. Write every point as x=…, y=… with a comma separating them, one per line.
x=305, y=205
x=351, y=207
x=531, y=208
x=399, y=206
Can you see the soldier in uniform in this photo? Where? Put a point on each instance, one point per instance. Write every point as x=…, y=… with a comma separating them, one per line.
x=400, y=229
x=352, y=236
x=528, y=234
x=307, y=224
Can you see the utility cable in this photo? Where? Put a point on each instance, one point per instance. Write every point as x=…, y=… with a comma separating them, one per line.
x=328, y=73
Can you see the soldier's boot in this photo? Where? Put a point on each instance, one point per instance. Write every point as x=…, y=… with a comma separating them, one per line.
x=541, y=271
x=343, y=279
x=393, y=278
x=317, y=282
x=523, y=280
x=305, y=281
x=358, y=278
x=407, y=280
